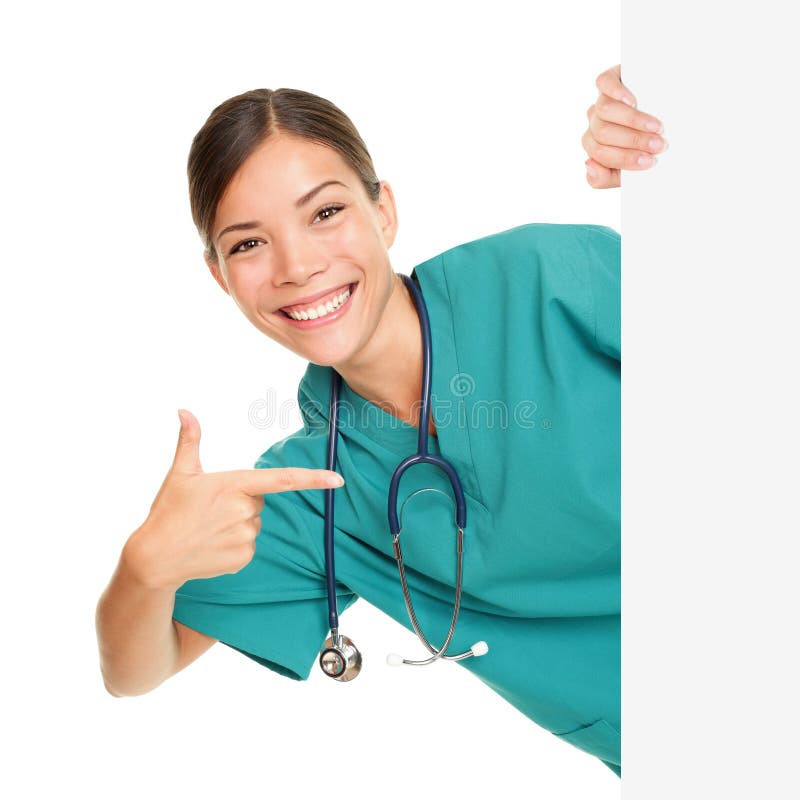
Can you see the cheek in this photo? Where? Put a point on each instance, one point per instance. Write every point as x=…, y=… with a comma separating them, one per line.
x=244, y=290
x=236, y=287
x=347, y=241
x=245, y=274
x=370, y=255
x=360, y=236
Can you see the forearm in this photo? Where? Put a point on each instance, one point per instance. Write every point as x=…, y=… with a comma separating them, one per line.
x=139, y=647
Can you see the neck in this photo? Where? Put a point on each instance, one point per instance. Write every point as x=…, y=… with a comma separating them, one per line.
x=388, y=370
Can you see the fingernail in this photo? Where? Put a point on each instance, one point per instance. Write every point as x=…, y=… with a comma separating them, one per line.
x=646, y=161
x=655, y=126
x=629, y=100
x=657, y=145
x=335, y=480
x=592, y=173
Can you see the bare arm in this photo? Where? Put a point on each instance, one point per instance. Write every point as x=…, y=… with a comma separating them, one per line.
x=140, y=644
x=192, y=644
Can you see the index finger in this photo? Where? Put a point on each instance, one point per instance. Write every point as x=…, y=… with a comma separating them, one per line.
x=608, y=110
x=283, y=479
x=610, y=83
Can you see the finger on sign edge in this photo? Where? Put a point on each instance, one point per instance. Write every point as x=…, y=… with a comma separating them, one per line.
x=610, y=83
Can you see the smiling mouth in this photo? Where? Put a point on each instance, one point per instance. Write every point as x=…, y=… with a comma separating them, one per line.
x=321, y=310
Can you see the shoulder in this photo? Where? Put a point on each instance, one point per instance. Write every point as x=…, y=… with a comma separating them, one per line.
x=532, y=238
x=525, y=252
x=543, y=258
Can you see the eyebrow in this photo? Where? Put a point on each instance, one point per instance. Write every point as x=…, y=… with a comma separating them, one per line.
x=307, y=197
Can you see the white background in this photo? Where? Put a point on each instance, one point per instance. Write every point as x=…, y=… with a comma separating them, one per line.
x=111, y=322
x=475, y=117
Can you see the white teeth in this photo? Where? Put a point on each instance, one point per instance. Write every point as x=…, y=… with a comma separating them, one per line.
x=321, y=311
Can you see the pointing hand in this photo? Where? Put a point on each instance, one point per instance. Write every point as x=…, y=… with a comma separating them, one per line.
x=203, y=524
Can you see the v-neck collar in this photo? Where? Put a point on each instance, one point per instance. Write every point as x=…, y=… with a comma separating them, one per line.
x=359, y=417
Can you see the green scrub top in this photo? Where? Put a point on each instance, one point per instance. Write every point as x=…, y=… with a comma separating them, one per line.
x=525, y=396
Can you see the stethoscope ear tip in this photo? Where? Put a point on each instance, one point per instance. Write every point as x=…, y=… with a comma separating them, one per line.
x=480, y=649
x=394, y=660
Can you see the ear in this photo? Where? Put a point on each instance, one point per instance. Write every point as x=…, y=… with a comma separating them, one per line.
x=215, y=271
x=387, y=213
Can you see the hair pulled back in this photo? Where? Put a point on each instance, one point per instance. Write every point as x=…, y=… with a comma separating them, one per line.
x=235, y=128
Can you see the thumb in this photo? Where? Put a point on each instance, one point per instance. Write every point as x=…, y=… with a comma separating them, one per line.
x=187, y=453
x=600, y=177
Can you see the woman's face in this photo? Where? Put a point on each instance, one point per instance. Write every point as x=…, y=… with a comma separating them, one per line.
x=281, y=239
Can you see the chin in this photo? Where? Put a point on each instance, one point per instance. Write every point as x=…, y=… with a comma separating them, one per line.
x=327, y=360
x=325, y=356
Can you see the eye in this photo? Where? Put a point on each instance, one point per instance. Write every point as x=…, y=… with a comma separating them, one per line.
x=328, y=211
x=247, y=244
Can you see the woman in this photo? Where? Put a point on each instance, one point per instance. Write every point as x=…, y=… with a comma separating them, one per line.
x=525, y=406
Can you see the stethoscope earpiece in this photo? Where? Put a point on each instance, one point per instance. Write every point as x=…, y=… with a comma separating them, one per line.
x=478, y=649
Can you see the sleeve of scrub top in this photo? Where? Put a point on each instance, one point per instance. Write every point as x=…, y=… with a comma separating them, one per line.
x=274, y=610
x=603, y=245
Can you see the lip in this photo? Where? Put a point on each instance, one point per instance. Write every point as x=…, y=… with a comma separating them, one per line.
x=312, y=297
x=309, y=324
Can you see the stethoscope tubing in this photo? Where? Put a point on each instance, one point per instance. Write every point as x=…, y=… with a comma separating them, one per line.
x=330, y=565
x=398, y=554
x=420, y=457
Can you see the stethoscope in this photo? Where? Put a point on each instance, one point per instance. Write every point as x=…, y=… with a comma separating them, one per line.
x=339, y=657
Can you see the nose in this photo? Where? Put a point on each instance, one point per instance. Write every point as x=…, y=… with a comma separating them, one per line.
x=296, y=259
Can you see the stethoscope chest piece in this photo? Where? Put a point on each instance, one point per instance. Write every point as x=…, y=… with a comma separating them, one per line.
x=340, y=658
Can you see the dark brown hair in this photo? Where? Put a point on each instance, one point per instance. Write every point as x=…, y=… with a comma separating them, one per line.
x=235, y=128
